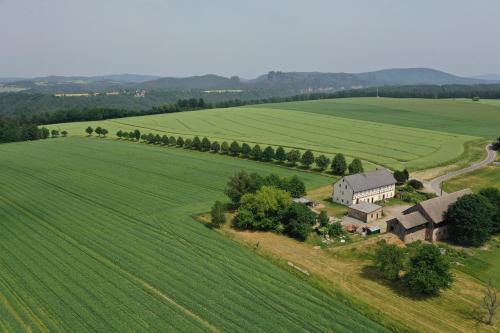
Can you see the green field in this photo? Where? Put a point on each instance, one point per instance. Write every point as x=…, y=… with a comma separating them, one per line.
x=485, y=177
x=483, y=263
x=461, y=116
x=98, y=235
x=377, y=141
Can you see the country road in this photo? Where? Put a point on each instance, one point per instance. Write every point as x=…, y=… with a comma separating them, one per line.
x=435, y=184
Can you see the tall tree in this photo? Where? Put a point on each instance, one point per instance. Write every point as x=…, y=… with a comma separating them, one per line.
x=429, y=271
x=205, y=144
x=256, y=152
x=339, y=165
x=215, y=147
x=245, y=149
x=293, y=156
x=355, y=166
x=234, y=149
x=89, y=130
x=389, y=259
x=196, y=143
x=137, y=134
x=224, y=147
x=280, y=154
x=268, y=154
x=470, y=220
x=307, y=159
x=322, y=162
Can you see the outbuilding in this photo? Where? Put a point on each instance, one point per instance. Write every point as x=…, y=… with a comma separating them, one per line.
x=365, y=211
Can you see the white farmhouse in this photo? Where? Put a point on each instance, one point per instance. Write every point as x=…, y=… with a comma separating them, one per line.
x=364, y=187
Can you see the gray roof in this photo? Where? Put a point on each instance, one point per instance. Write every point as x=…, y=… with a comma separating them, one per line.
x=436, y=207
x=412, y=220
x=370, y=180
x=365, y=207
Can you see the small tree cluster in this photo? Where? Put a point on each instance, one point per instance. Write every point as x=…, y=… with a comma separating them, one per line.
x=424, y=271
x=98, y=130
x=401, y=176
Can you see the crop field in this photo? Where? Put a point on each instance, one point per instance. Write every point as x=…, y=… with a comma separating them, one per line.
x=375, y=143
x=98, y=235
x=485, y=177
x=481, y=119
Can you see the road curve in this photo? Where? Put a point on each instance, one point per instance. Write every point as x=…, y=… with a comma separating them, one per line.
x=435, y=184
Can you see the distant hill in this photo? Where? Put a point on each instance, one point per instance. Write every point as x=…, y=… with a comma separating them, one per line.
x=276, y=83
x=489, y=77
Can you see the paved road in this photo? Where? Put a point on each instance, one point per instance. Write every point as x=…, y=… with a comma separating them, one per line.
x=435, y=184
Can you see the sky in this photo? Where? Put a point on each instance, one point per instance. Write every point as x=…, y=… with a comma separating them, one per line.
x=246, y=38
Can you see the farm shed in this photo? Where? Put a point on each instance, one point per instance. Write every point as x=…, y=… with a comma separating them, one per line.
x=425, y=221
x=365, y=211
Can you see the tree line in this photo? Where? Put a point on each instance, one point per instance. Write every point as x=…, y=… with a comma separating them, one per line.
x=338, y=165
x=21, y=129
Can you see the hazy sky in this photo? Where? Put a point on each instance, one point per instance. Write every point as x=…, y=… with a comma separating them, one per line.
x=246, y=38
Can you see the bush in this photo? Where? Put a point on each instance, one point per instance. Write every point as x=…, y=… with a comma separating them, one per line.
x=417, y=185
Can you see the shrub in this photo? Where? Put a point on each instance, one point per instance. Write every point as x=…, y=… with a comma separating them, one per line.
x=417, y=185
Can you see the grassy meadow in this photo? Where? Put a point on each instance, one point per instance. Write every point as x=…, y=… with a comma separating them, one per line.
x=488, y=176
x=97, y=235
x=460, y=116
x=419, y=141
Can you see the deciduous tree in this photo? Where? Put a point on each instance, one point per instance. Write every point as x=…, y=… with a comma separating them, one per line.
x=355, y=166
x=339, y=165
x=307, y=159
x=268, y=154
x=293, y=156
x=280, y=154
x=217, y=214
x=89, y=130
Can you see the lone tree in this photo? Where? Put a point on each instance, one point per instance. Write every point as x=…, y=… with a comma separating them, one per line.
x=89, y=130
x=64, y=133
x=490, y=302
x=389, y=259
x=293, y=156
x=205, y=144
x=470, y=220
x=215, y=147
x=339, y=165
x=217, y=214
x=119, y=134
x=245, y=149
x=268, y=154
x=280, y=154
x=234, y=149
x=356, y=166
x=429, y=271
x=307, y=159
x=256, y=152
x=322, y=162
